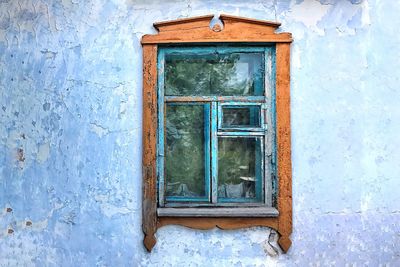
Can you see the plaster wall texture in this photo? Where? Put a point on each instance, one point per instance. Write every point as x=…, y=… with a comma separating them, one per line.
x=70, y=135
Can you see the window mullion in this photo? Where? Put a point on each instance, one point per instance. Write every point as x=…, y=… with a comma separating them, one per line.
x=269, y=125
x=207, y=150
x=161, y=130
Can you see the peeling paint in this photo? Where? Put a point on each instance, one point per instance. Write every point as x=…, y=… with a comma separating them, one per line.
x=98, y=129
x=70, y=141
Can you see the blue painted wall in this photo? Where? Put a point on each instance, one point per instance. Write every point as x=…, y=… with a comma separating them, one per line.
x=70, y=135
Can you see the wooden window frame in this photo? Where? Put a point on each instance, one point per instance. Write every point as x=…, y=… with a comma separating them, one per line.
x=196, y=31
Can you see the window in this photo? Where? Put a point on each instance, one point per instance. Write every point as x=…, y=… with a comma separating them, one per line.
x=216, y=126
x=215, y=130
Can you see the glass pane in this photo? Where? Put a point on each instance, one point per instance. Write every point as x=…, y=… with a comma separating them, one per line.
x=241, y=116
x=228, y=74
x=239, y=168
x=185, y=150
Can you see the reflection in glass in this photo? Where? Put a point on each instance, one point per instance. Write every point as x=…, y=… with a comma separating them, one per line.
x=227, y=74
x=239, y=167
x=184, y=150
x=241, y=116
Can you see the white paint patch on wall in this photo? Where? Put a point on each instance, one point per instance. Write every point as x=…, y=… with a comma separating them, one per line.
x=43, y=152
x=343, y=16
x=365, y=18
x=309, y=13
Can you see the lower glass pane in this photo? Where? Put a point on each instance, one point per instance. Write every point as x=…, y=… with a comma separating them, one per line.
x=185, y=164
x=239, y=169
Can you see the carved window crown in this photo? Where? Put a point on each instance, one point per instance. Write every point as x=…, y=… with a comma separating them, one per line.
x=216, y=126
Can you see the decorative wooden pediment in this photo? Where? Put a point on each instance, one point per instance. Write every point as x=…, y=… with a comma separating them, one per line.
x=198, y=30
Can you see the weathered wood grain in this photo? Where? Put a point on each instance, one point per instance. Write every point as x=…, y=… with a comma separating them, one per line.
x=200, y=35
x=183, y=23
x=222, y=223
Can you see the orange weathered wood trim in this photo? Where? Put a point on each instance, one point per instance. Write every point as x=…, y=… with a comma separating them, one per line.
x=230, y=18
x=220, y=38
x=169, y=24
x=149, y=211
x=222, y=223
x=196, y=30
x=164, y=25
x=283, y=144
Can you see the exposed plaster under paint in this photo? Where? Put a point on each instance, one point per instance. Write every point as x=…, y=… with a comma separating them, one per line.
x=70, y=145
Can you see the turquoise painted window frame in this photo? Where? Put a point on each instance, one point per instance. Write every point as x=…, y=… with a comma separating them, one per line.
x=215, y=105
x=235, y=104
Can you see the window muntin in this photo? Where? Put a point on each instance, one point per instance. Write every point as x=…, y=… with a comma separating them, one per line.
x=250, y=180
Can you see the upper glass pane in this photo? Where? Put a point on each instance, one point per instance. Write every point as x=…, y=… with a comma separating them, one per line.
x=185, y=162
x=206, y=72
x=241, y=116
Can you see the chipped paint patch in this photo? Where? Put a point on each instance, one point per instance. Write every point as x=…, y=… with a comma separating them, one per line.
x=98, y=129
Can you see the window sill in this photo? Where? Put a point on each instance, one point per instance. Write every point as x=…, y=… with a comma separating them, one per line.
x=218, y=212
